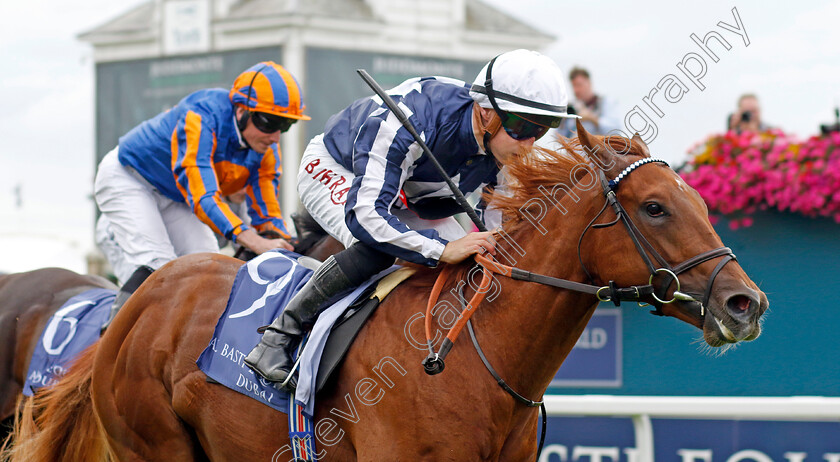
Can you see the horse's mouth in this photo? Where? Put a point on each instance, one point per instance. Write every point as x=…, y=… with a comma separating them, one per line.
x=718, y=328
x=722, y=328
x=691, y=312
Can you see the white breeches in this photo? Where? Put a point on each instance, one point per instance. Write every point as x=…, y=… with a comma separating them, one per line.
x=139, y=225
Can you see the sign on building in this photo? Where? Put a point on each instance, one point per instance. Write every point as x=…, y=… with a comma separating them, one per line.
x=332, y=83
x=129, y=92
x=186, y=26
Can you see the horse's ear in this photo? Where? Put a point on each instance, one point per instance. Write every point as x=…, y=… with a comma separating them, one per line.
x=638, y=140
x=595, y=149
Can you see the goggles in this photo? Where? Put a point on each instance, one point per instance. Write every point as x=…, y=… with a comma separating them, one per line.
x=524, y=126
x=269, y=123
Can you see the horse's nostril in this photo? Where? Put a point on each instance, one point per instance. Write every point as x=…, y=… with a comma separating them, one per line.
x=739, y=304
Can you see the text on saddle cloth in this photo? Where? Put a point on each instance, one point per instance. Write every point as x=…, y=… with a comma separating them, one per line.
x=74, y=327
x=260, y=291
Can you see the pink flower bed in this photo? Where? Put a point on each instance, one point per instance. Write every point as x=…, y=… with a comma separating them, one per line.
x=738, y=174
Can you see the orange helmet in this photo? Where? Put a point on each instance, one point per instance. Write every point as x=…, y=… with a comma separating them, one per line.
x=268, y=87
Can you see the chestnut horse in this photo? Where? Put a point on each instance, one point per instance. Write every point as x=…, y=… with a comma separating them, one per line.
x=140, y=397
x=27, y=300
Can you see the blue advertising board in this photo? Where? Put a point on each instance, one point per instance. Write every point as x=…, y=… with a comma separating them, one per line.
x=595, y=361
x=582, y=439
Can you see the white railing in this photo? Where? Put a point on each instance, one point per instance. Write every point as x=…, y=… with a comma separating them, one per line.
x=642, y=408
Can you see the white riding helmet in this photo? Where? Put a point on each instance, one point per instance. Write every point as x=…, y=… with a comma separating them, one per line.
x=522, y=81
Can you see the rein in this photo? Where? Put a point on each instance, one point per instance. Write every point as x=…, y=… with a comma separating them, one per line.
x=434, y=364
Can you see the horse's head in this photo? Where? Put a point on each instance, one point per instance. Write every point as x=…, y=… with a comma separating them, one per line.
x=673, y=218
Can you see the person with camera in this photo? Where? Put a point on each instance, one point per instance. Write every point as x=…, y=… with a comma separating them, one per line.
x=747, y=118
x=161, y=189
x=599, y=114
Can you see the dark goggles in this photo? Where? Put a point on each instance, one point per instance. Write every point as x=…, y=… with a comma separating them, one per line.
x=524, y=126
x=269, y=123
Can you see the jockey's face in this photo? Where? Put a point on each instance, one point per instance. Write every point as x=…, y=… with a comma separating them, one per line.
x=505, y=148
x=257, y=140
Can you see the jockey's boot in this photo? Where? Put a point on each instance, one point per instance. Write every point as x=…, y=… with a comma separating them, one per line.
x=272, y=357
x=137, y=277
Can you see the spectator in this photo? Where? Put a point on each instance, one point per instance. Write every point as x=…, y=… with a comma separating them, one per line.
x=598, y=113
x=747, y=118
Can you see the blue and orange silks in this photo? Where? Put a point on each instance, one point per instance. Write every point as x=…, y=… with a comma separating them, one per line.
x=193, y=153
x=268, y=87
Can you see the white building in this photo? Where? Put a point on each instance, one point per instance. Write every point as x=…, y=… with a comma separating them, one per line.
x=150, y=57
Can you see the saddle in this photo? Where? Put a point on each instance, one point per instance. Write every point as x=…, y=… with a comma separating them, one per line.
x=342, y=329
x=346, y=329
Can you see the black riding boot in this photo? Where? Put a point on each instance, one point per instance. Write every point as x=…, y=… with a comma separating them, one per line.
x=137, y=277
x=271, y=358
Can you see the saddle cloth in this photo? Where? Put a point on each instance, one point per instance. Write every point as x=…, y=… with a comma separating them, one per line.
x=74, y=327
x=261, y=290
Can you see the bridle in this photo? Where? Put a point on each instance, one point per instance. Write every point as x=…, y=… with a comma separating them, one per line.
x=434, y=362
x=645, y=249
x=610, y=292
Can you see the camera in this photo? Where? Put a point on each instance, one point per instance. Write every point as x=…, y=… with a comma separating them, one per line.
x=746, y=116
x=832, y=128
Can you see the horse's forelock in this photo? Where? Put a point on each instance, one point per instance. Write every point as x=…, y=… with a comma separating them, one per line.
x=623, y=150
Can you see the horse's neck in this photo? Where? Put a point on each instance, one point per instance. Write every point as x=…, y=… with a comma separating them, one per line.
x=533, y=327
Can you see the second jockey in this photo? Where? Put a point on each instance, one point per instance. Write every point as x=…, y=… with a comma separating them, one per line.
x=160, y=191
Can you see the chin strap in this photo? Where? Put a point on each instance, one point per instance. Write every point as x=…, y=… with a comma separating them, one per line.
x=486, y=140
x=490, y=129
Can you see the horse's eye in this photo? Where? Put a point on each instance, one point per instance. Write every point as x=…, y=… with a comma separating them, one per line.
x=654, y=209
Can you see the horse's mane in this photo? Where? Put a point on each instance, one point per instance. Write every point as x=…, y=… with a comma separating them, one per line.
x=525, y=174
x=548, y=168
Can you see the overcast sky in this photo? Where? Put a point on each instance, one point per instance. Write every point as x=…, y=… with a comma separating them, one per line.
x=46, y=91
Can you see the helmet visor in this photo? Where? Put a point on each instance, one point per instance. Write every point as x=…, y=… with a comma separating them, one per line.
x=524, y=126
x=270, y=123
